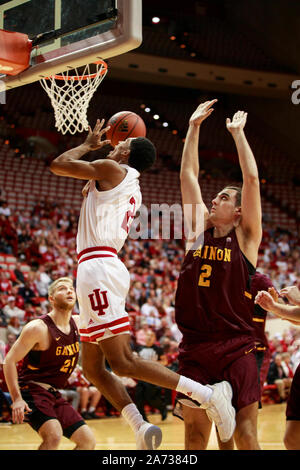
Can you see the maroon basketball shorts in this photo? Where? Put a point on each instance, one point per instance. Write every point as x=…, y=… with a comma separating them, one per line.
x=46, y=404
x=293, y=403
x=232, y=359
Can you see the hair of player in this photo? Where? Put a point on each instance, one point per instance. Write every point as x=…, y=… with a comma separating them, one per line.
x=142, y=154
x=52, y=288
x=238, y=196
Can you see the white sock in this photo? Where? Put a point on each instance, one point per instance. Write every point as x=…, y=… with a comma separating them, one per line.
x=133, y=417
x=92, y=409
x=198, y=392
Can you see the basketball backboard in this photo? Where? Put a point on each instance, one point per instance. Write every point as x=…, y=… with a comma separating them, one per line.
x=79, y=32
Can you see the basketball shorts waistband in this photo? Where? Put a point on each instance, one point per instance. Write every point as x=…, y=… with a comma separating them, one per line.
x=97, y=252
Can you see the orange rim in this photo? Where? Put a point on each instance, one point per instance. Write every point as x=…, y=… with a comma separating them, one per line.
x=81, y=77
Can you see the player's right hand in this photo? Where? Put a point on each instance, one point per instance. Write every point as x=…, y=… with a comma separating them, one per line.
x=93, y=140
x=19, y=408
x=292, y=293
x=202, y=112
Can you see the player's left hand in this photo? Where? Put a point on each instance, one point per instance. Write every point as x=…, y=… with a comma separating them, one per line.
x=93, y=140
x=273, y=292
x=19, y=409
x=264, y=300
x=238, y=122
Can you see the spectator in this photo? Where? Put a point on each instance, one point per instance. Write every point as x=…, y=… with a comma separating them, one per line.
x=19, y=276
x=14, y=327
x=277, y=376
x=11, y=310
x=4, y=209
x=287, y=365
x=142, y=333
x=11, y=339
x=42, y=281
x=5, y=283
x=145, y=393
x=148, y=308
x=27, y=292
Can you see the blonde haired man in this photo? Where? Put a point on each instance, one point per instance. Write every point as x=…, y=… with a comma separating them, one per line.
x=49, y=346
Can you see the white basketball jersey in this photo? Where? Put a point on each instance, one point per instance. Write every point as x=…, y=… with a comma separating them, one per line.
x=106, y=216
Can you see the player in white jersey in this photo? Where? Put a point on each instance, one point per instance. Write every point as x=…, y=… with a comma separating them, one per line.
x=112, y=198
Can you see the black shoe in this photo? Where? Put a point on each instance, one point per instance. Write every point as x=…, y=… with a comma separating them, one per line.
x=93, y=415
x=85, y=415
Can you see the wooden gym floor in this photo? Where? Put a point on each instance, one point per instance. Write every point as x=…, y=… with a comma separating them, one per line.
x=114, y=433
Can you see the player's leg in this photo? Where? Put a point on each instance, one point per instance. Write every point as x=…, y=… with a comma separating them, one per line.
x=83, y=438
x=197, y=428
x=246, y=428
x=124, y=363
x=215, y=399
x=292, y=435
x=51, y=433
x=242, y=373
x=140, y=398
x=93, y=361
x=229, y=445
x=292, y=432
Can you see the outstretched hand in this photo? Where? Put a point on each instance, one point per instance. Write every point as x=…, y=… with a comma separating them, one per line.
x=273, y=292
x=202, y=112
x=238, y=122
x=292, y=293
x=265, y=300
x=94, y=137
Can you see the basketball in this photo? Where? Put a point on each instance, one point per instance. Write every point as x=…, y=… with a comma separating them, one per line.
x=123, y=125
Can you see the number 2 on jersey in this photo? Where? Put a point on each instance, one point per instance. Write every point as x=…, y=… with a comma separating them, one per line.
x=129, y=216
x=204, y=280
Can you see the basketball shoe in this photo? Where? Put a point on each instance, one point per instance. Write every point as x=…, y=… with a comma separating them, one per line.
x=220, y=410
x=148, y=437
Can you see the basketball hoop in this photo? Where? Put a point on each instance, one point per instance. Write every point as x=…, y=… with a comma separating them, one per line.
x=70, y=95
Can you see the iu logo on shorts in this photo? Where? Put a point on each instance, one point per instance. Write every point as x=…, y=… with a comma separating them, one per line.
x=99, y=301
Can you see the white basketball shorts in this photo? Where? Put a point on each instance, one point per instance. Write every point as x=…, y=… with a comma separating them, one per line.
x=102, y=286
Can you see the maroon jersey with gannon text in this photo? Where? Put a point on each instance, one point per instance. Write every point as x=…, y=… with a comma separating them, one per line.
x=213, y=298
x=55, y=365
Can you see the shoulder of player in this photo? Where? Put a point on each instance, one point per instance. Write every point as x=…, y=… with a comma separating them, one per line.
x=35, y=329
x=107, y=166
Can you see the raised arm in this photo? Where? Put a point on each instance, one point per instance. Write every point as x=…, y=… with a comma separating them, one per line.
x=69, y=163
x=251, y=221
x=189, y=172
x=29, y=337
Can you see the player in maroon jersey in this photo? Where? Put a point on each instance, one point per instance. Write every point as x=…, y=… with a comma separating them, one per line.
x=213, y=300
x=50, y=348
x=262, y=351
x=291, y=313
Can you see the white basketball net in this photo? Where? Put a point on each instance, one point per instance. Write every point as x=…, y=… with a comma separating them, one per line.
x=70, y=96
